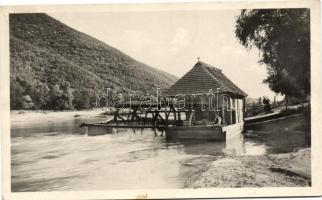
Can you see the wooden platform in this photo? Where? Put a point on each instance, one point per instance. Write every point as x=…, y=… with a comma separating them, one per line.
x=171, y=132
x=279, y=123
x=195, y=132
x=269, y=116
x=173, y=126
x=116, y=125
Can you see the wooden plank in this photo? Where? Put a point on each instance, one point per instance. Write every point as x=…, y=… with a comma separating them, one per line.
x=118, y=126
x=201, y=132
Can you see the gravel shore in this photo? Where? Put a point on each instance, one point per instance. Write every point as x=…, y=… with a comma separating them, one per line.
x=272, y=170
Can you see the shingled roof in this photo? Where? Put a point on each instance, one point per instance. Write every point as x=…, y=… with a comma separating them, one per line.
x=200, y=79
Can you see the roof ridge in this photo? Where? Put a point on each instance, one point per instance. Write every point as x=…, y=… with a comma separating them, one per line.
x=201, y=78
x=207, y=70
x=210, y=66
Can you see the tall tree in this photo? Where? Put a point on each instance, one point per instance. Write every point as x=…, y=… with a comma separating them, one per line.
x=283, y=38
x=40, y=95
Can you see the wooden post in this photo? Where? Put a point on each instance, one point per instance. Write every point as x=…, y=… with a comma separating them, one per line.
x=174, y=113
x=236, y=111
x=231, y=109
x=190, y=117
x=145, y=117
x=223, y=111
x=115, y=116
x=244, y=108
x=133, y=114
x=155, y=117
x=129, y=114
x=166, y=117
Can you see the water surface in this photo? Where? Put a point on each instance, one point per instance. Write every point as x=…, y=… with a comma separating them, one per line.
x=51, y=153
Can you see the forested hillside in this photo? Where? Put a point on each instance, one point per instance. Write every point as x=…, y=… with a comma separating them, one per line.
x=53, y=66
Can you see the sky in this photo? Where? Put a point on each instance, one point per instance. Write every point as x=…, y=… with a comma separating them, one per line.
x=173, y=40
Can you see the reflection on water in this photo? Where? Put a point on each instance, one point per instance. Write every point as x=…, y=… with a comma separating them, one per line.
x=53, y=153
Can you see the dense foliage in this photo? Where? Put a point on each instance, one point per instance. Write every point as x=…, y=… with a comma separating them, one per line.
x=53, y=66
x=283, y=39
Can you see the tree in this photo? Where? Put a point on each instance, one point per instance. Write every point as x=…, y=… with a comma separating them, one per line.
x=40, y=95
x=60, y=98
x=16, y=93
x=283, y=38
x=82, y=100
x=55, y=98
x=27, y=102
x=67, y=96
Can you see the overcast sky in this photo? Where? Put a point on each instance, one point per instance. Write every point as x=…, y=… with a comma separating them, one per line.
x=172, y=41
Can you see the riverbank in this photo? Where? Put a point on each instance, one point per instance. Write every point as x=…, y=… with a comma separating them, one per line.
x=29, y=112
x=34, y=116
x=271, y=170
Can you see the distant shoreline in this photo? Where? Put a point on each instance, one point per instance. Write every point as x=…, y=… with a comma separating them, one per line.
x=50, y=111
x=34, y=116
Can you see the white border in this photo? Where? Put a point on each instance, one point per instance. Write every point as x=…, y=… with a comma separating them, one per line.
x=316, y=188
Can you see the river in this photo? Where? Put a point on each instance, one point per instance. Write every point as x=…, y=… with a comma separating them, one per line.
x=49, y=152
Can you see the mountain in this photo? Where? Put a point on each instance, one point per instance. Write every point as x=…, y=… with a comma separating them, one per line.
x=53, y=66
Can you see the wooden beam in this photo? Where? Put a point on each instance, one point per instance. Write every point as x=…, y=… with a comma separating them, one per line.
x=174, y=112
x=115, y=115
